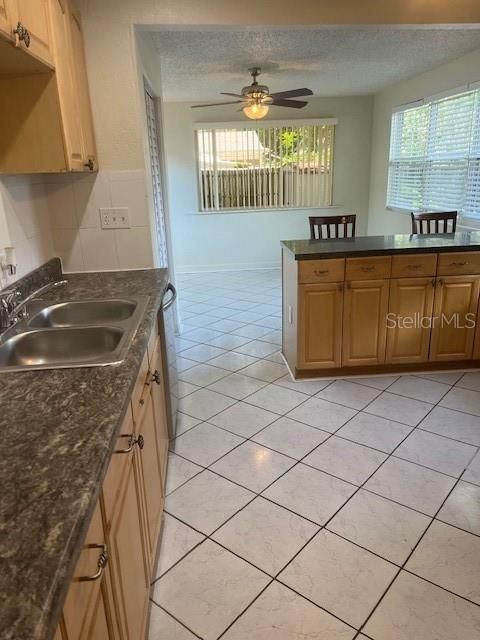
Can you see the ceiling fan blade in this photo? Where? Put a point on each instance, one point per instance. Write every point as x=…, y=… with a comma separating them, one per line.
x=235, y=95
x=293, y=104
x=215, y=104
x=293, y=93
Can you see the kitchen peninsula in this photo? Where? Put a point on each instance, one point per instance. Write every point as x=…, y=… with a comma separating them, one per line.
x=375, y=305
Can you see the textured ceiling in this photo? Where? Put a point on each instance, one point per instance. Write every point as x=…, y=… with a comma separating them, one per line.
x=197, y=64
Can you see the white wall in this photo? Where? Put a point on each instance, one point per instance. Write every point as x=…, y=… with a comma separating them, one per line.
x=252, y=239
x=447, y=76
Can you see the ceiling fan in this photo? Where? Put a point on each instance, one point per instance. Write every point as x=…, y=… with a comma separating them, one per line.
x=257, y=99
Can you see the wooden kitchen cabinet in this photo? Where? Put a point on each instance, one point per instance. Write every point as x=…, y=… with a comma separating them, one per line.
x=86, y=612
x=364, y=325
x=409, y=322
x=45, y=118
x=127, y=520
x=454, y=317
x=6, y=18
x=320, y=309
x=34, y=16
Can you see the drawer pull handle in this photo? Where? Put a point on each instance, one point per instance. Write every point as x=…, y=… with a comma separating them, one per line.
x=101, y=563
x=458, y=264
x=368, y=269
x=156, y=377
x=22, y=33
x=320, y=272
x=414, y=267
x=132, y=442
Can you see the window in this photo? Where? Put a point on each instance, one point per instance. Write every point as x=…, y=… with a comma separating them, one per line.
x=242, y=166
x=435, y=156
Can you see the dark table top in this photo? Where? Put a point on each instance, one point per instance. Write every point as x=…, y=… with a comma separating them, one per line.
x=383, y=245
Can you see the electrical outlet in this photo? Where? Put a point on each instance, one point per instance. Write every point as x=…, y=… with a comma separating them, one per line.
x=115, y=218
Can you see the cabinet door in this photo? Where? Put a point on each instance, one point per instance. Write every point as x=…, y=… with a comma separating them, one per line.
x=320, y=325
x=6, y=18
x=454, y=313
x=34, y=16
x=151, y=463
x=128, y=568
x=83, y=107
x=81, y=604
x=364, y=325
x=67, y=90
x=409, y=320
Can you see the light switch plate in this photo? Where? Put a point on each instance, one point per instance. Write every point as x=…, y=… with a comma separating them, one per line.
x=115, y=218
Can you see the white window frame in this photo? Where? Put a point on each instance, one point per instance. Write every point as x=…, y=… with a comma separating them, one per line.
x=253, y=125
x=470, y=158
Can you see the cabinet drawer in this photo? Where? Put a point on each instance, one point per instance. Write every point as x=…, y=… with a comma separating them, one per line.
x=368, y=268
x=313, y=271
x=414, y=266
x=458, y=264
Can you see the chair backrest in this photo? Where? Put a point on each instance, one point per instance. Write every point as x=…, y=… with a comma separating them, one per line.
x=322, y=227
x=423, y=223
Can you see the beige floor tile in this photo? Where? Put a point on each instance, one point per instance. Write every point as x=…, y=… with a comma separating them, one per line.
x=290, y=437
x=373, y=431
x=411, y=485
x=310, y=493
x=207, y=501
x=449, y=558
x=322, y=414
x=208, y=589
x=205, y=443
x=276, y=399
x=244, y=419
x=176, y=541
x=453, y=424
x=462, y=508
x=349, y=394
x=394, y=407
x=462, y=400
x=204, y=404
x=380, y=525
x=419, y=388
x=339, y=576
x=436, y=452
x=179, y=471
x=416, y=610
x=253, y=466
x=281, y=614
x=266, y=535
x=237, y=386
x=163, y=626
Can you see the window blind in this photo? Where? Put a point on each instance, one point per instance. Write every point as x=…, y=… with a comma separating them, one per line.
x=281, y=166
x=435, y=156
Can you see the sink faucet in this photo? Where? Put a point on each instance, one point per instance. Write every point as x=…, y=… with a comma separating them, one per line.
x=9, y=301
x=13, y=308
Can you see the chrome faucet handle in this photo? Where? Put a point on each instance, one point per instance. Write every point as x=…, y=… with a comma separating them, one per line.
x=9, y=300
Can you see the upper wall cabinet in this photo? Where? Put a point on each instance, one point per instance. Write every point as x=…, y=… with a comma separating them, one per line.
x=32, y=28
x=45, y=116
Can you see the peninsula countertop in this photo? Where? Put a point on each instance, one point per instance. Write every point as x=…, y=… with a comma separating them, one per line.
x=383, y=245
x=58, y=431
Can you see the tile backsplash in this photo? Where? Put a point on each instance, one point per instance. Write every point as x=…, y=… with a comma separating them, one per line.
x=58, y=215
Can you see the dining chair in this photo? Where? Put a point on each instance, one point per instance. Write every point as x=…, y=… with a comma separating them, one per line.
x=424, y=223
x=321, y=226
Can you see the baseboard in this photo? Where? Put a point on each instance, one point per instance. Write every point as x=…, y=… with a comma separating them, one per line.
x=206, y=268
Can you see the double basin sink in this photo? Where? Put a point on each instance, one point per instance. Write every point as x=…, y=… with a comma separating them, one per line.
x=76, y=333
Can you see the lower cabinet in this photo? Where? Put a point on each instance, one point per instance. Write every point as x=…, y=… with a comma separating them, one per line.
x=364, y=326
x=320, y=312
x=454, y=315
x=409, y=320
x=108, y=598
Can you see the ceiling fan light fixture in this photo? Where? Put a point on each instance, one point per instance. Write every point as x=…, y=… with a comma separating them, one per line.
x=256, y=110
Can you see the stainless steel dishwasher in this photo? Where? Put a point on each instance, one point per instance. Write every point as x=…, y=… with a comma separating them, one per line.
x=166, y=321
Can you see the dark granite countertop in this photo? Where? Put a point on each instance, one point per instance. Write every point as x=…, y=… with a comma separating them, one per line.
x=58, y=430
x=381, y=245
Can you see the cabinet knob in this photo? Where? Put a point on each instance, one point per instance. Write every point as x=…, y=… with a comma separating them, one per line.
x=90, y=164
x=22, y=34
x=101, y=563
